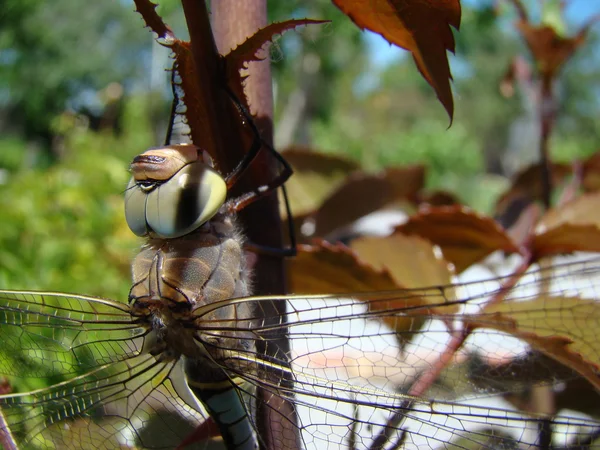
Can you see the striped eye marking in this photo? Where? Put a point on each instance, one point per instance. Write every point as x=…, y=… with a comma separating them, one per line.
x=172, y=192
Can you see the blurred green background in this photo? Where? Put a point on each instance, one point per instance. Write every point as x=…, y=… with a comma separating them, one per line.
x=83, y=90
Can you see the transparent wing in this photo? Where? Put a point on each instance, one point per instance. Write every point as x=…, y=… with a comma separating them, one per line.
x=104, y=392
x=384, y=371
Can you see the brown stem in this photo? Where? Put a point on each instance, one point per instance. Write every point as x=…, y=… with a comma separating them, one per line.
x=234, y=21
x=547, y=116
x=521, y=11
x=458, y=338
x=218, y=134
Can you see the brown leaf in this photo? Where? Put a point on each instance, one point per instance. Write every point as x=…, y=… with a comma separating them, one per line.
x=566, y=238
x=250, y=50
x=564, y=328
x=584, y=210
x=410, y=260
x=464, y=236
x=192, y=96
x=147, y=10
x=550, y=51
x=574, y=226
x=362, y=194
x=420, y=26
x=316, y=175
x=413, y=263
x=526, y=188
x=327, y=268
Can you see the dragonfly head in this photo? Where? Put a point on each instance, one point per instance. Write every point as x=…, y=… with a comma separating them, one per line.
x=172, y=192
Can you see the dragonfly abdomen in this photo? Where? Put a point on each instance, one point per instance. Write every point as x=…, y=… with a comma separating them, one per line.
x=223, y=402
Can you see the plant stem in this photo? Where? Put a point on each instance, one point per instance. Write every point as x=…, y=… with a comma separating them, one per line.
x=547, y=116
x=233, y=21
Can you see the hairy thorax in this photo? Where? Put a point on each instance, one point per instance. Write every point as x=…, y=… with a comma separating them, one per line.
x=172, y=278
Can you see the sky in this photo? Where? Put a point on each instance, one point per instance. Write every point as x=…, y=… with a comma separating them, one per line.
x=577, y=11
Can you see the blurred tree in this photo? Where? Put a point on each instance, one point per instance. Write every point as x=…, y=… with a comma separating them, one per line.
x=57, y=55
x=308, y=64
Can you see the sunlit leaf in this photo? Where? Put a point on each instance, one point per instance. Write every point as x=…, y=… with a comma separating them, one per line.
x=411, y=260
x=328, y=268
x=316, y=175
x=422, y=27
x=574, y=226
x=464, y=236
x=361, y=194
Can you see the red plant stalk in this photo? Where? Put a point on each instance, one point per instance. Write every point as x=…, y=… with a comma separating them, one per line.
x=233, y=21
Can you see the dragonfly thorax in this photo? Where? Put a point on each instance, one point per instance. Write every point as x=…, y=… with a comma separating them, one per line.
x=172, y=192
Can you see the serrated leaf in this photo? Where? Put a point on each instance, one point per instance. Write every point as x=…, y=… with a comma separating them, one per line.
x=561, y=327
x=412, y=263
x=249, y=50
x=147, y=10
x=328, y=268
x=420, y=26
x=464, y=236
x=574, y=226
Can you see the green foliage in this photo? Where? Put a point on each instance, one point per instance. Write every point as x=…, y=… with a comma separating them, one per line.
x=63, y=228
x=57, y=53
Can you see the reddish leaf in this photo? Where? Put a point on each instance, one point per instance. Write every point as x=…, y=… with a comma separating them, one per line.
x=316, y=175
x=337, y=269
x=566, y=238
x=362, y=194
x=420, y=26
x=437, y=198
x=574, y=226
x=464, y=236
x=327, y=268
x=527, y=187
x=147, y=10
x=250, y=50
x=192, y=97
x=563, y=328
x=412, y=261
x=550, y=51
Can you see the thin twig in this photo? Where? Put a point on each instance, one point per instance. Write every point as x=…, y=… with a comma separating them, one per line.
x=521, y=11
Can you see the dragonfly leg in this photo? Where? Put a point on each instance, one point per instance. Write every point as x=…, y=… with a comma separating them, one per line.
x=239, y=203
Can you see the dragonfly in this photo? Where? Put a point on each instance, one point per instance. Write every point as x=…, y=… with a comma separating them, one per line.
x=182, y=353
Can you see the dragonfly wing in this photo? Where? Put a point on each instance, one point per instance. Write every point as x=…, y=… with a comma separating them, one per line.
x=350, y=376
x=106, y=391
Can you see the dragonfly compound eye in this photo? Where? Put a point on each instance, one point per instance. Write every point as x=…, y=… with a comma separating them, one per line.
x=173, y=206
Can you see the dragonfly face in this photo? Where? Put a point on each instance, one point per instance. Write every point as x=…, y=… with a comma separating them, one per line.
x=172, y=192
x=145, y=373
